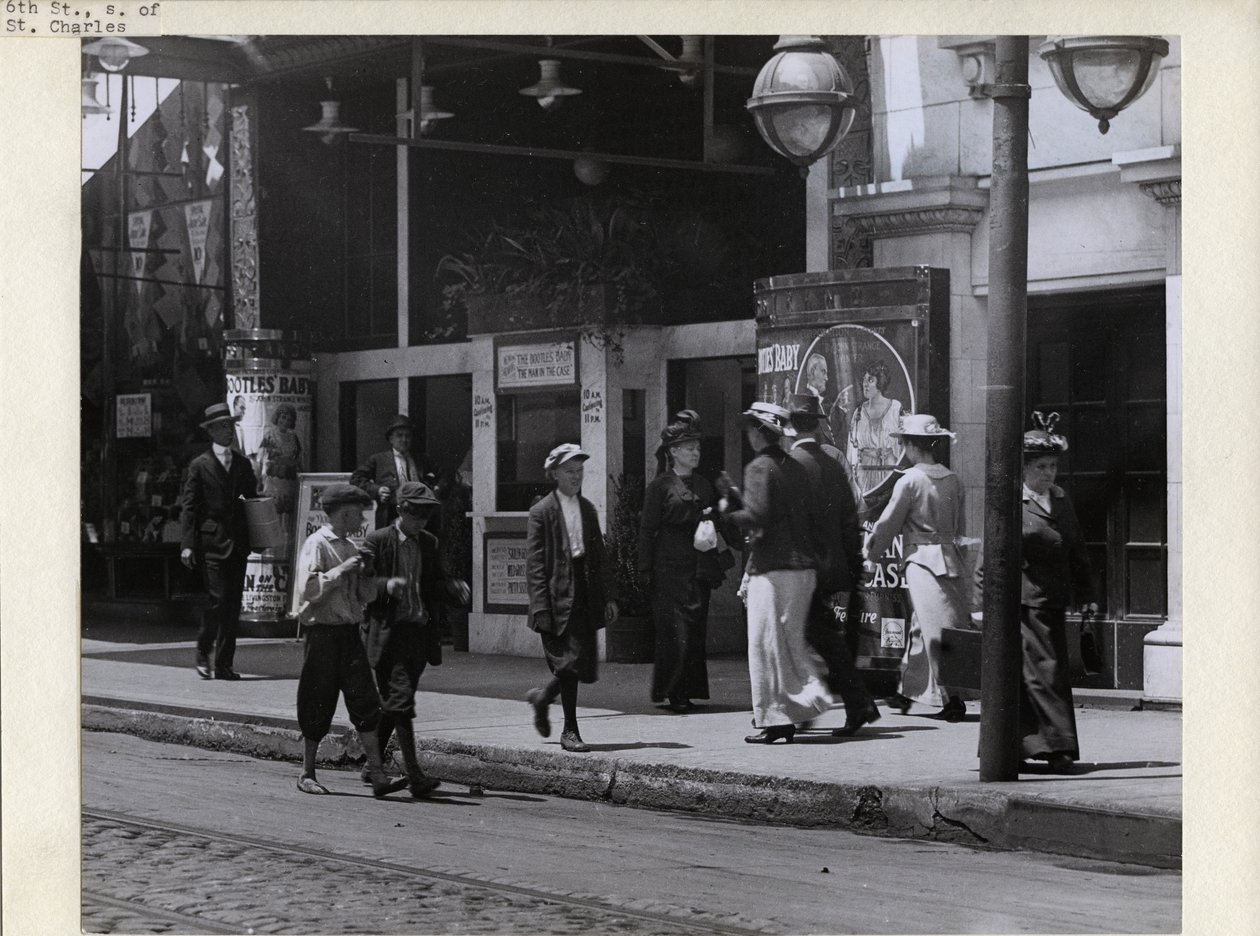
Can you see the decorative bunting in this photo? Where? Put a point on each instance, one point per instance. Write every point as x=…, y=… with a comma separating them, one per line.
x=139, y=225
x=197, y=219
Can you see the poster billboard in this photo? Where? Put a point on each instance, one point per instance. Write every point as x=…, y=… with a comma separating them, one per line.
x=871, y=345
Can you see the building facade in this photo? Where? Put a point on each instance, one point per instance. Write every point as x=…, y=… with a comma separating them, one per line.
x=348, y=242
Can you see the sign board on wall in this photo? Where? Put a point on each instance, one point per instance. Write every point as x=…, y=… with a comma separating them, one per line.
x=535, y=366
x=134, y=415
x=309, y=517
x=506, y=590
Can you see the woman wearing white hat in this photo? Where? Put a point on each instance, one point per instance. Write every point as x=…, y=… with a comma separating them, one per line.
x=926, y=508
x=776, y=510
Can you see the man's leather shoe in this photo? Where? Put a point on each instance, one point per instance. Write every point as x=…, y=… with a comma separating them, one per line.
x=572, y=741
x=230, y=675
x=854, y=723
x=422, y=785
x=542, y=721
x=955, y=710
x=773, y=734
x=204, y=671
x=899, y=702
x=386, y=785
x=1061, y=763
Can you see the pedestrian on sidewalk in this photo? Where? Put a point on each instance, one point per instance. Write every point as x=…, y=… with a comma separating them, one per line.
x=777, y=512
x=333, y=592
x=1056, y=575
x=402, y=634
x=382, y=473
x=572, y=592
x=678, y=575
x=839, y=566
x=926, y=509
x=215, y=535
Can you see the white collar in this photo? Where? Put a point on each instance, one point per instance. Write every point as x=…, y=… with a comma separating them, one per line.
x=570, y=498
x=220, y=450
x=402, y=537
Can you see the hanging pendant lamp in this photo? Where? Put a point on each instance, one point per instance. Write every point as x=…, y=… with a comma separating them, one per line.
x=693, y=56
x=330, y=126
x=428, y=113
x=114, y=52
x=90, y=105
x=550, y=90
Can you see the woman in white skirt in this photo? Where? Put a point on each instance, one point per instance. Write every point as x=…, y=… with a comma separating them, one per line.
x=775, y=512
x=926, y=508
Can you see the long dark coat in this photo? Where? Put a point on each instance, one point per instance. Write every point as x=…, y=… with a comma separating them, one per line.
x=1055, y=573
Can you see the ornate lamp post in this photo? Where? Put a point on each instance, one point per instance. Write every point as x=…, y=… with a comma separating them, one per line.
x=800, y=102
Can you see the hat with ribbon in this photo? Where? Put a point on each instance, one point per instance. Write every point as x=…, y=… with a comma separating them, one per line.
x=804, y=404
x=563, y=453
x=1044, y=440
x=216, y=412
x=771, y=416
x=340, y=494
x=400, y=422
x=414, y=494
x=921, y=426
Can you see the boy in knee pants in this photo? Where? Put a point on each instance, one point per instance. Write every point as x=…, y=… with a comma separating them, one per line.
x=333, y=594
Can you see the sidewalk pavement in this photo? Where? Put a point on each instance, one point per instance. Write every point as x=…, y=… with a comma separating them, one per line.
x=905, y=775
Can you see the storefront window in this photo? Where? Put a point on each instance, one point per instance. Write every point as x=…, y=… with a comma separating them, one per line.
x=530, y=426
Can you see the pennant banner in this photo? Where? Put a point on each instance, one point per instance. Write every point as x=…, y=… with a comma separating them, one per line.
x=197, y=218
x=139, y=225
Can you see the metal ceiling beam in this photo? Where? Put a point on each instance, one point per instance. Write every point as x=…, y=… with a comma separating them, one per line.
x=560, y=52
x=533, y=152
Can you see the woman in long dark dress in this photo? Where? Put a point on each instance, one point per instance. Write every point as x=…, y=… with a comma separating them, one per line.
x=1056, y=575
x=679, y=576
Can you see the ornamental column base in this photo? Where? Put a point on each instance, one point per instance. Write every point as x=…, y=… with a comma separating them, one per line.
x=1161, y=665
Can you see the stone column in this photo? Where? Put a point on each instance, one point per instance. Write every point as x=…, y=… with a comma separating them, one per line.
x=243, y=233
x=1157, y=172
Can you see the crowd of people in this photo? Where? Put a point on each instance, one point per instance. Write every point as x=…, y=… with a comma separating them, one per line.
x=369, y=611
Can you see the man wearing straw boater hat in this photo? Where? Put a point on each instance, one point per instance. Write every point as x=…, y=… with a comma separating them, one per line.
x=839, y=566
x=215, y=536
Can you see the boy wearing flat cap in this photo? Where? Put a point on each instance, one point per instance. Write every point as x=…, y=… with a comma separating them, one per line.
x=572, y=592
x=401, y=634
x=333, y=593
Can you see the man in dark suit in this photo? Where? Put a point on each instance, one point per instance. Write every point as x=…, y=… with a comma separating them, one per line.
x=380, y=476
x=840, y=567
x=216, y=535
x=572, y=591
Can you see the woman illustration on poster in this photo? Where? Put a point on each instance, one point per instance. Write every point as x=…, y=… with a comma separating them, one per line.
x=280, y=452
x=872, y=452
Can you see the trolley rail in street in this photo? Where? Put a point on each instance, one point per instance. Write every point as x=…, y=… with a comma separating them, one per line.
x=673, y=918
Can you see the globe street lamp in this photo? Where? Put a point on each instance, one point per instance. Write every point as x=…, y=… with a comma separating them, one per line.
x=1103, y=75
x=802, y=105
x=802, y=101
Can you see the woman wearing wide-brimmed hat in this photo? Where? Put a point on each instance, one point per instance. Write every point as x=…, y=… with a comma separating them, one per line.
x=777, y=511
x=1056, y=574
x=926, y=508
x=679, y=576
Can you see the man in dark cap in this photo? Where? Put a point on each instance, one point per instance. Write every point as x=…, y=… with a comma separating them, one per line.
x=402, y=634
x=840, y=566
x=332, y=591
x=215, y=534
x=572, y=592
x=380, y=476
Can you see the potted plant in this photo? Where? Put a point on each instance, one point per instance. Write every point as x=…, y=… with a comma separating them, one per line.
x=632, y=638
x=595, y=265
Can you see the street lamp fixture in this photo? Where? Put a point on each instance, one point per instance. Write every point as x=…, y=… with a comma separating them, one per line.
x=802, y=101
x=1103, y=75
x=90, y=105
x=428, y=113
x=114, y=52
x=330, y=126
x=550, y=90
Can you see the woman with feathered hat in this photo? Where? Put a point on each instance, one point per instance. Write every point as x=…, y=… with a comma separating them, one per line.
x=678, y=575
x=1056, y=574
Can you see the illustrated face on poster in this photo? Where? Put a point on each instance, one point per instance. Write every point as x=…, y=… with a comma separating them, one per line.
x=864, y=383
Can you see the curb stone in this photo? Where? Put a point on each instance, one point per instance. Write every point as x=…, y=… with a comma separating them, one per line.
x=989, y=818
